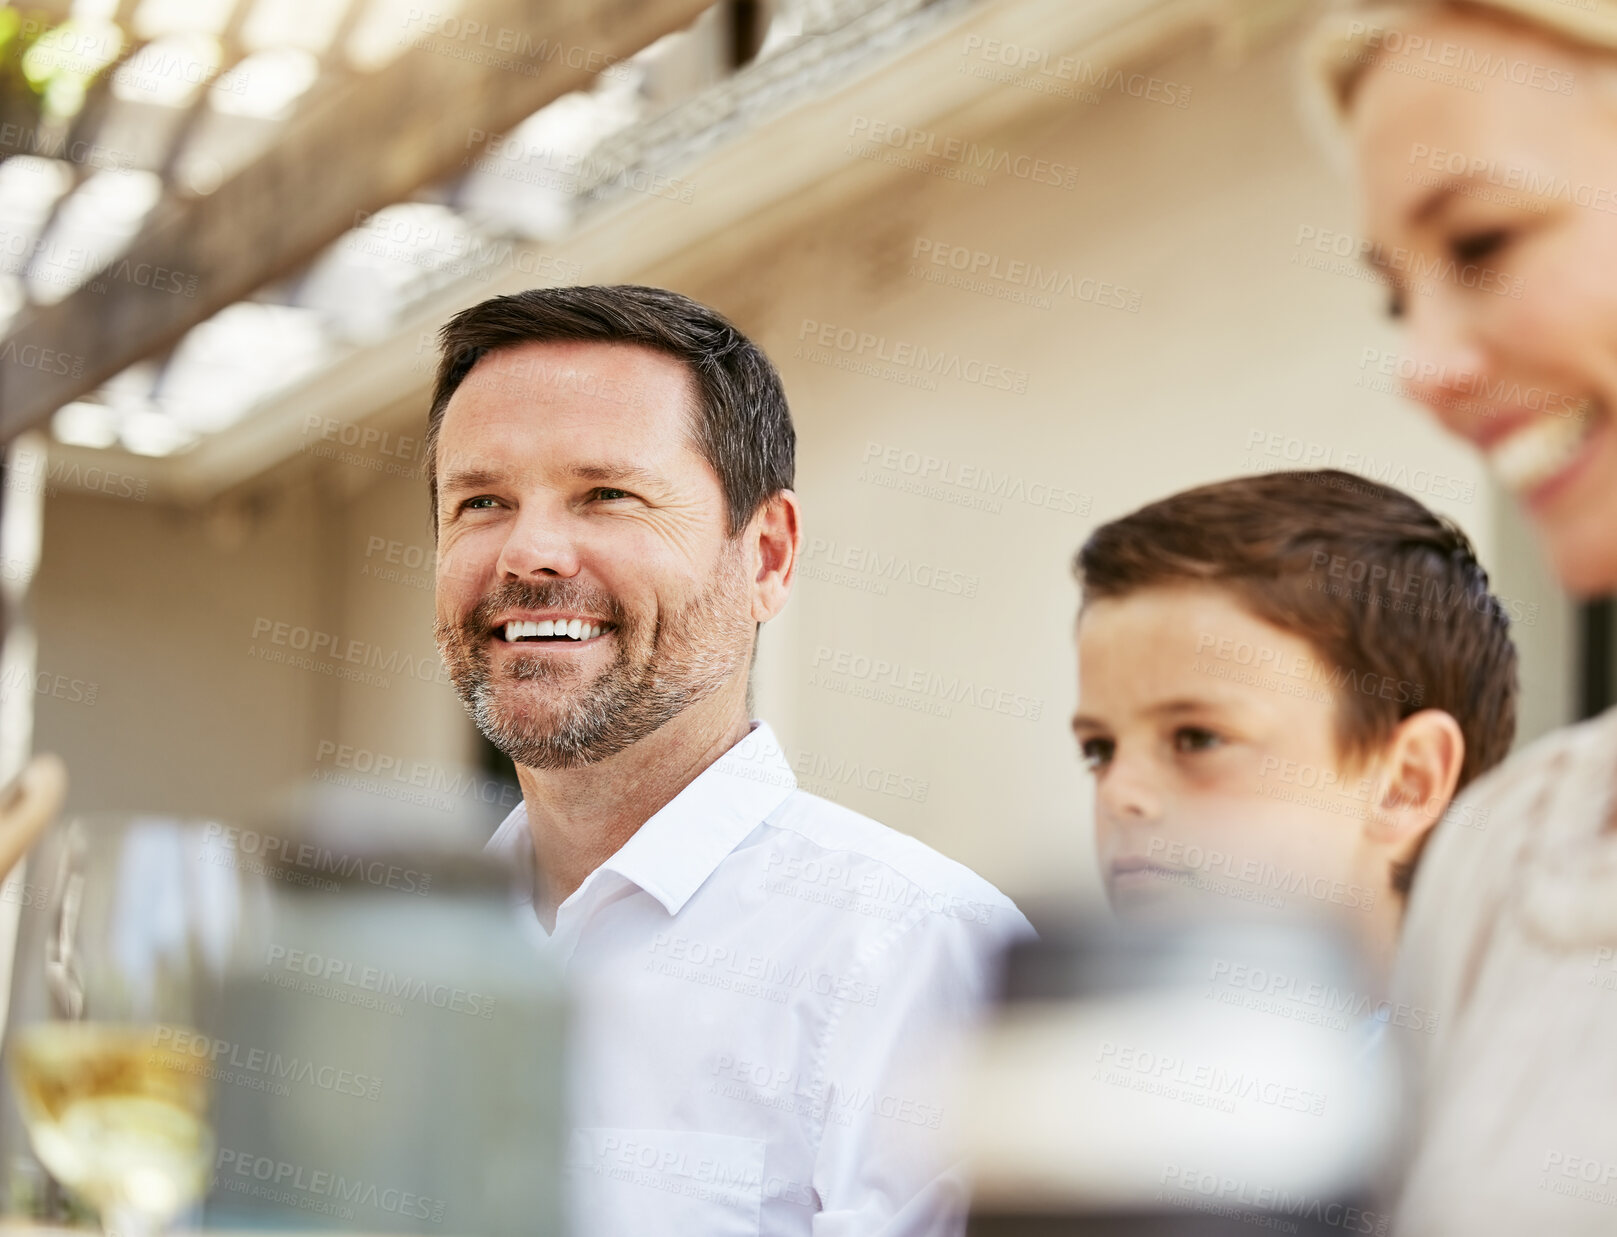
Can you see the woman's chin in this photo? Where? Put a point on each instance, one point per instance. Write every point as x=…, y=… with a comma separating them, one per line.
x=1577, y=523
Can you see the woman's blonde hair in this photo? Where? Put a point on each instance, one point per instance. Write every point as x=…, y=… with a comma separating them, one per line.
x=1351, y=38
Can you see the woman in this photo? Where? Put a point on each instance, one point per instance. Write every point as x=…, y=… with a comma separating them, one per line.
x=1484, y=136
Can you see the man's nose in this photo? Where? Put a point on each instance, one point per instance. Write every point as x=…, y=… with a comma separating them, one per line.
x=542, y=542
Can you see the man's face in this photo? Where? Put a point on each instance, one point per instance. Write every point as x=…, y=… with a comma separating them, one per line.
x=571, y=496
x=1218, y=786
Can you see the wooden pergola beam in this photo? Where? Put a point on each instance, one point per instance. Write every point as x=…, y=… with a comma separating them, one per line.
x=369, y=142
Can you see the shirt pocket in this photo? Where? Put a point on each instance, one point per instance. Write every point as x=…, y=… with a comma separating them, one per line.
x=654, y=1182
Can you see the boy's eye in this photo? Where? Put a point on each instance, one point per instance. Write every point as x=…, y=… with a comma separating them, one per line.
x=1475, y=246
x=1195, y=739
x=1096, y=753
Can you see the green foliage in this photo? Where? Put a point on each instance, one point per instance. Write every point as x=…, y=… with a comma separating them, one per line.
x=18, y=32
x=46, y=69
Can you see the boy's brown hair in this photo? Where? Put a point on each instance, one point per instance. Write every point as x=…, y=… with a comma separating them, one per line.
x=1382, y=589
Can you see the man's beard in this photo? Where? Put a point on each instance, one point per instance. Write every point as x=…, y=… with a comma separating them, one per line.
x=660, y=669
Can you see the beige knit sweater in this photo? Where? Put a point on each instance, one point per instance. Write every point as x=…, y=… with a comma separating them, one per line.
x=1511, y=938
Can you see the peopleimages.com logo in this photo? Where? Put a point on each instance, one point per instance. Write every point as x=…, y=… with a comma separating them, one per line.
x=304, y=862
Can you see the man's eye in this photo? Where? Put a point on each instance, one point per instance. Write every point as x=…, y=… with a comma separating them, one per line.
x=1475, y=246
x=608, y=494
x=481, y=503
x=1195, y=739
x=1096, y=753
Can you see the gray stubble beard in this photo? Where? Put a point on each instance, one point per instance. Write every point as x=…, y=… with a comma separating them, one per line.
x=689, y=656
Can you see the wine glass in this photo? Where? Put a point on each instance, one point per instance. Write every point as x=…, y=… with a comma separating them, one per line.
x=124, y=943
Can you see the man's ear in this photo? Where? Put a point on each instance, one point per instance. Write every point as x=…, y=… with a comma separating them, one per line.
x=1415, y=780
x=775, y=537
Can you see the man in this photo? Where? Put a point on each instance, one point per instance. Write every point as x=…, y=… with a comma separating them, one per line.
x=755, y=967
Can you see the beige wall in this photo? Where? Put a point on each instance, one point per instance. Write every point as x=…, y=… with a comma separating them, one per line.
x=180, y=658
x=148, y=614
x=1197, y=210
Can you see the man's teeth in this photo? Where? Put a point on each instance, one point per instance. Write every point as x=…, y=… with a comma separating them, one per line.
x=1544, y=446
x=574, y=629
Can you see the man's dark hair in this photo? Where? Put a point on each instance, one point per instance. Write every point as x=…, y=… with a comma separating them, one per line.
x=1373, y=581
x=740, y=424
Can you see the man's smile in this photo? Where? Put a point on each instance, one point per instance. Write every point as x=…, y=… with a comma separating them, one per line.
x=551, y=628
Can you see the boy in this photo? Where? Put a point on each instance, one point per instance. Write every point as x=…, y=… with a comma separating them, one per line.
x=1283, y=681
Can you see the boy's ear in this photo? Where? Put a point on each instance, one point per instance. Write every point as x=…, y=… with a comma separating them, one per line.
x=1418, y=772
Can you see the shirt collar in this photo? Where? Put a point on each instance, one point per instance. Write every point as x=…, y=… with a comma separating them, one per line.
x=673, y=853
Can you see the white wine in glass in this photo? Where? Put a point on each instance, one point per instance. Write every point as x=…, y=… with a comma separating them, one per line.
x=126, y=959
x=117, y=1115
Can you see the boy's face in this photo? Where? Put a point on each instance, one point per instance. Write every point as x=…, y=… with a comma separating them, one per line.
x=1211, y=734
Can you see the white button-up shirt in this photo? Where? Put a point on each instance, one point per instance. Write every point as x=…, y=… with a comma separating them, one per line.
x=759, y=974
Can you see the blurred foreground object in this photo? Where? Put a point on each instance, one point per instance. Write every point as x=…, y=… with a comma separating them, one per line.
x=334, y=1023
x=389, y=1045
x=28, y=805
x=1184, y=1081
